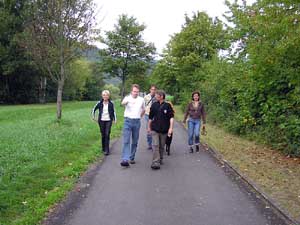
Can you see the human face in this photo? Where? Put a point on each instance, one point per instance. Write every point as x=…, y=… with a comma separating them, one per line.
x=105, y=96
x=159, y=98
x=135, y=92
x=152, y=91
x=196, y=97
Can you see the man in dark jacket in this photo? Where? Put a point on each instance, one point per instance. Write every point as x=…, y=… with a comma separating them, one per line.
x=161, y=119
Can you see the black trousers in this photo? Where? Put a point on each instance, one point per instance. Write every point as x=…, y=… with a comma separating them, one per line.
x=105, y=127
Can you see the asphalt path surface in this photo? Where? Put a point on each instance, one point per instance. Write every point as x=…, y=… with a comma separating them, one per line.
x=189, y=189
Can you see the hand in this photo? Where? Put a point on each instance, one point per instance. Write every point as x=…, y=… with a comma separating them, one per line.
x=203, y=126
x=184, y=121
x=170, y=131
x=115, y=121
x=149, y=130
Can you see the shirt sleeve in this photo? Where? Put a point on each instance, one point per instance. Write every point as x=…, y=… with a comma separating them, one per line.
x=94, y=109
x=151, y=114
x=125, y=99
x=171, y=111
x=115, y=115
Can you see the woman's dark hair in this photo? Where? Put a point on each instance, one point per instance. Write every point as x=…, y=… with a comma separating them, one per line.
x=161, y=93
x=194, y=93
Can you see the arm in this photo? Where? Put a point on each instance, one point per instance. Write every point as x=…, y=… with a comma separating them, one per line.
x=125, y=101
x=170, y=131
x=94, y=110
x=203, y=114
x=115, y=115
x=171, y=115
x=143, y=109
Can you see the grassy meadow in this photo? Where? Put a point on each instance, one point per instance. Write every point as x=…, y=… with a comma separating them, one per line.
x=40, y=158
x=276, y=174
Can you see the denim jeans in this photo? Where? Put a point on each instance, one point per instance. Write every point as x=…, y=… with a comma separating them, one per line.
x=149, y=136
x=105, y=127
x=131, y=130
x=194, y=130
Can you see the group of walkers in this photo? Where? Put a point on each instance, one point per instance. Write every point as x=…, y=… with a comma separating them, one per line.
x=159, y=117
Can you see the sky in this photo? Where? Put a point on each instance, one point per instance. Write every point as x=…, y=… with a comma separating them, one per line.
x=162, y=17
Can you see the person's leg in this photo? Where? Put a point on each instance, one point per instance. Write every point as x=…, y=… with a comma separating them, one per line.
x=191, y=134
x=135, y=138
x=162, y=142
x=102, y=131
x=149, y=136
x=107, y=135
x=155, y=146
x=197, y=134
x=126, y=140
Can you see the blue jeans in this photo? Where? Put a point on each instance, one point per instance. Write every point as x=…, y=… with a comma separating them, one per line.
x=131, y=129
x=149, y=136
x=194, y=130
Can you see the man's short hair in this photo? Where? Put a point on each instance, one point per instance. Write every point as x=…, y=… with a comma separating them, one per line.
x=135, y=86
x=153, y=86
x=161, y=93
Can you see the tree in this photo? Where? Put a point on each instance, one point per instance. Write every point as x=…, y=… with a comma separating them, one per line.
x=127, y=54
x=56, y=34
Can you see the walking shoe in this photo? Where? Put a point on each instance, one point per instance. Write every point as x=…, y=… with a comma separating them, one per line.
x=191, y=150
x=149, y=147
x=106, y=153
x=197, y=148
x=131, y=161
x=161, y=162
x=124, y=163
x=155, y=166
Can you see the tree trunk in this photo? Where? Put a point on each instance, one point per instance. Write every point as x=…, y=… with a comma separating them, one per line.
x=60, y=86
x=123, y=86
x=42, y=90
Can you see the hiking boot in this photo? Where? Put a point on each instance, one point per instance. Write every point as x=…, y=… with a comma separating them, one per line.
x=197, y=148
x=191, y=150
x=155, y=166
x=131, y=161
x=124, y=163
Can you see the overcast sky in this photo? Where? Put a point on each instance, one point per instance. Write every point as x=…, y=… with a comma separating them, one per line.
x=162, y=17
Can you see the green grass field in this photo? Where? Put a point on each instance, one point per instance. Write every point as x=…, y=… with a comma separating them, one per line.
x=276, y=174
x=40, y=158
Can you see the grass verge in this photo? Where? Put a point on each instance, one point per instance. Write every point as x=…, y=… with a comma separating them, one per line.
x=276, y=174
x=41, y=159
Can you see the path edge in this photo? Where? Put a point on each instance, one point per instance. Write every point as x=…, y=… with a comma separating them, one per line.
x=58, y=214
x=277, y=209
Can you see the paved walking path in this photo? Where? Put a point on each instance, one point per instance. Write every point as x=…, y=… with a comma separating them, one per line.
x=189, y=189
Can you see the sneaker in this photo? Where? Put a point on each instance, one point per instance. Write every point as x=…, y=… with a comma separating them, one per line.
x=132, y=161
x=106, y=153
x=124, y=163
x=191, y=150
x=155, y=166
x=197, y=148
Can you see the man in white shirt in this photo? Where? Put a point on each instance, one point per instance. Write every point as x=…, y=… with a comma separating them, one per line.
x=149, y=99
x=134, y=111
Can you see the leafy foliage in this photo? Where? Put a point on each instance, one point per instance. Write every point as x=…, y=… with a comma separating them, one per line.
x=127, y=55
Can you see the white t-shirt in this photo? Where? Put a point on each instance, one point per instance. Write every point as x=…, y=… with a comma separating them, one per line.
x=134, y=107
x=105, y=113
